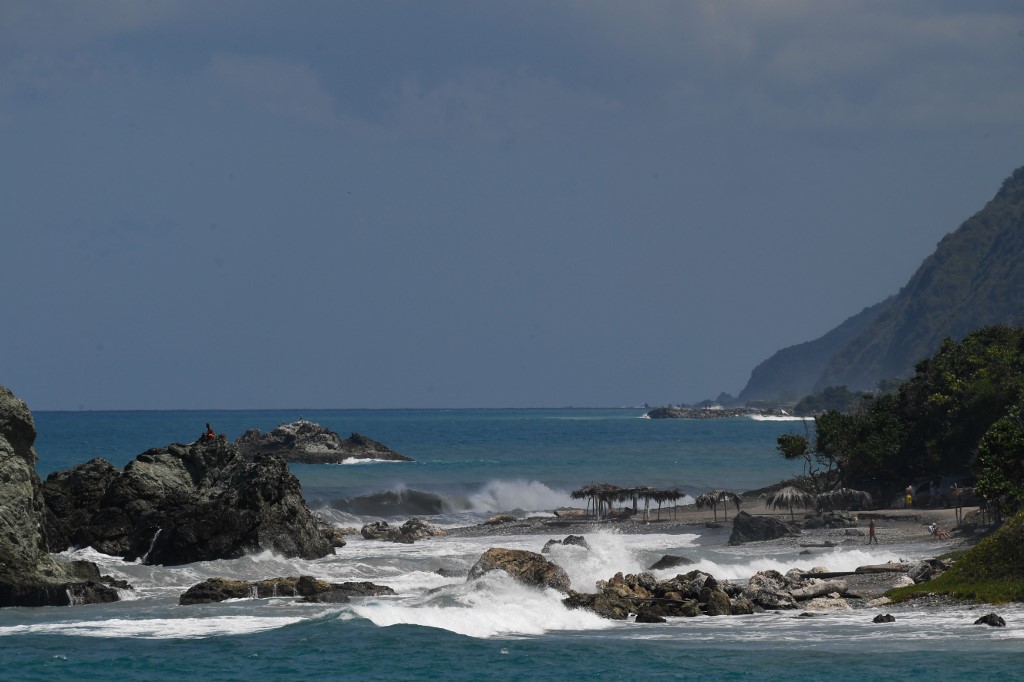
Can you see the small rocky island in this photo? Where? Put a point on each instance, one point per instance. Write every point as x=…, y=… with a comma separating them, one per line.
x=305, y=442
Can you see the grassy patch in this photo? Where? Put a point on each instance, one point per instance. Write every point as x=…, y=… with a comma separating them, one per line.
x=992, y=571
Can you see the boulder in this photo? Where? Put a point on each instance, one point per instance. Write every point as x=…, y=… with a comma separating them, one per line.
x=992, y=619
x=310, y=589
x=887, y=618
x=748, y=528
x=669, y=561
x=529, y=568
x=308, y=443
x=920, y=572
x=183, y=503
x=770, y=590
x=29, y=575
x=499, y=519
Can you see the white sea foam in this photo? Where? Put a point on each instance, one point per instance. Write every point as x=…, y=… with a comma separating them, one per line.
x=157, y=628
x=493, y=606
x=778, y=418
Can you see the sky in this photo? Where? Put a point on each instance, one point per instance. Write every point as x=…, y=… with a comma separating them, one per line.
x=239, y=205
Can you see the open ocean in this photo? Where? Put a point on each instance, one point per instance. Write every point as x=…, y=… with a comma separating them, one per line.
x=471, y=464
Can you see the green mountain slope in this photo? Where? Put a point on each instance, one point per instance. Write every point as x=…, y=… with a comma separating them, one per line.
x=793, y=372
x=974, y=278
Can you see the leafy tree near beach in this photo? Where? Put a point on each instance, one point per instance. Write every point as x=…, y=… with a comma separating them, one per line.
x=959, y=413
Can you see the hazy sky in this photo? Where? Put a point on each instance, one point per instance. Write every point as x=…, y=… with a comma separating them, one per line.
x=474, y=204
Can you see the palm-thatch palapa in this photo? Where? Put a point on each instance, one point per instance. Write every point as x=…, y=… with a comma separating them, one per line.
x=845, y=498
x=710, y=500
x=601, y=494
x=790, y=497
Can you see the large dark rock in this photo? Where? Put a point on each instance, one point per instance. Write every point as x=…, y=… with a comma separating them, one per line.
x=308, y=443
x=748, y=528
x=310, y=589
x=183, y=503
x=529, y=568
x=29, y=576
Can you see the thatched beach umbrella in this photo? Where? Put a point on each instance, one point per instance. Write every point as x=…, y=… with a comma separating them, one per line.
x=712, y=498
x=845, y=498
x=661, y=496
x=790, y=497
x=600, y=493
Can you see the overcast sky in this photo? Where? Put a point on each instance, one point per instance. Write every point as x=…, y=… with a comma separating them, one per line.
x=474, y=204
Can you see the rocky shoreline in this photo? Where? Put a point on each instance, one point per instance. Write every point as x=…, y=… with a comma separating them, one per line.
x=712, y=412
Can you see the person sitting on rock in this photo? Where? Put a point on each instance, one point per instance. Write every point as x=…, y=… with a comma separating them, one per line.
x=209, y=435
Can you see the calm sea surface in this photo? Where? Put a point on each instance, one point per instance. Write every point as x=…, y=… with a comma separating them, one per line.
x=469, y=465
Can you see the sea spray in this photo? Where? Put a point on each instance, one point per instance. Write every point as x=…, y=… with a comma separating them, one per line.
x=491, y=606
x=505, y=496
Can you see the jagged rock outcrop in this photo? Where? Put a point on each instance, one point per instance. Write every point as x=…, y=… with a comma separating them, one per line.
x=749, y=528
x=309, y=588
x=529, y=568
x=308, y=443
x=409, y=532
x=183, y=503
x=29, y=576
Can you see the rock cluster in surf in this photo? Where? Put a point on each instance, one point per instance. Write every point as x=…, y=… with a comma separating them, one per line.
x=183, y=503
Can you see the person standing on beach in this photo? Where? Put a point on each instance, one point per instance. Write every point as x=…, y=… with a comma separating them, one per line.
x=908, y=500
x=871, y=532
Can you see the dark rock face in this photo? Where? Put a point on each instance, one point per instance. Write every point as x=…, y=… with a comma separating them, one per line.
x=310, y=589
x=748, y=528
x=409, y=532
x=308, y=443
x=529, y=568
x=992, y=619
x=29, y=576
x=183, y=503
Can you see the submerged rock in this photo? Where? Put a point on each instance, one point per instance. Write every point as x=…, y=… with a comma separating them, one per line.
x=310, y=589
x=309, y=443
x=29, y=576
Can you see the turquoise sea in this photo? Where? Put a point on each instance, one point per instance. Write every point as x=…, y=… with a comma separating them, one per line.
x=469, y=465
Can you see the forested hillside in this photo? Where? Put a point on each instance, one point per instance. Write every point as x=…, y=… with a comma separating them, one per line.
x=974, y=278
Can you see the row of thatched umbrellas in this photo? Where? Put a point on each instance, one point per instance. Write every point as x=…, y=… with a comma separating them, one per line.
x=602, y=495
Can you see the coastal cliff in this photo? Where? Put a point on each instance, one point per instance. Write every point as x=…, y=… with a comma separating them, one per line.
x=29, y=576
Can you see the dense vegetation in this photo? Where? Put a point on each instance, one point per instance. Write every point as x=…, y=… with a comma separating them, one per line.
x=961, y=413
